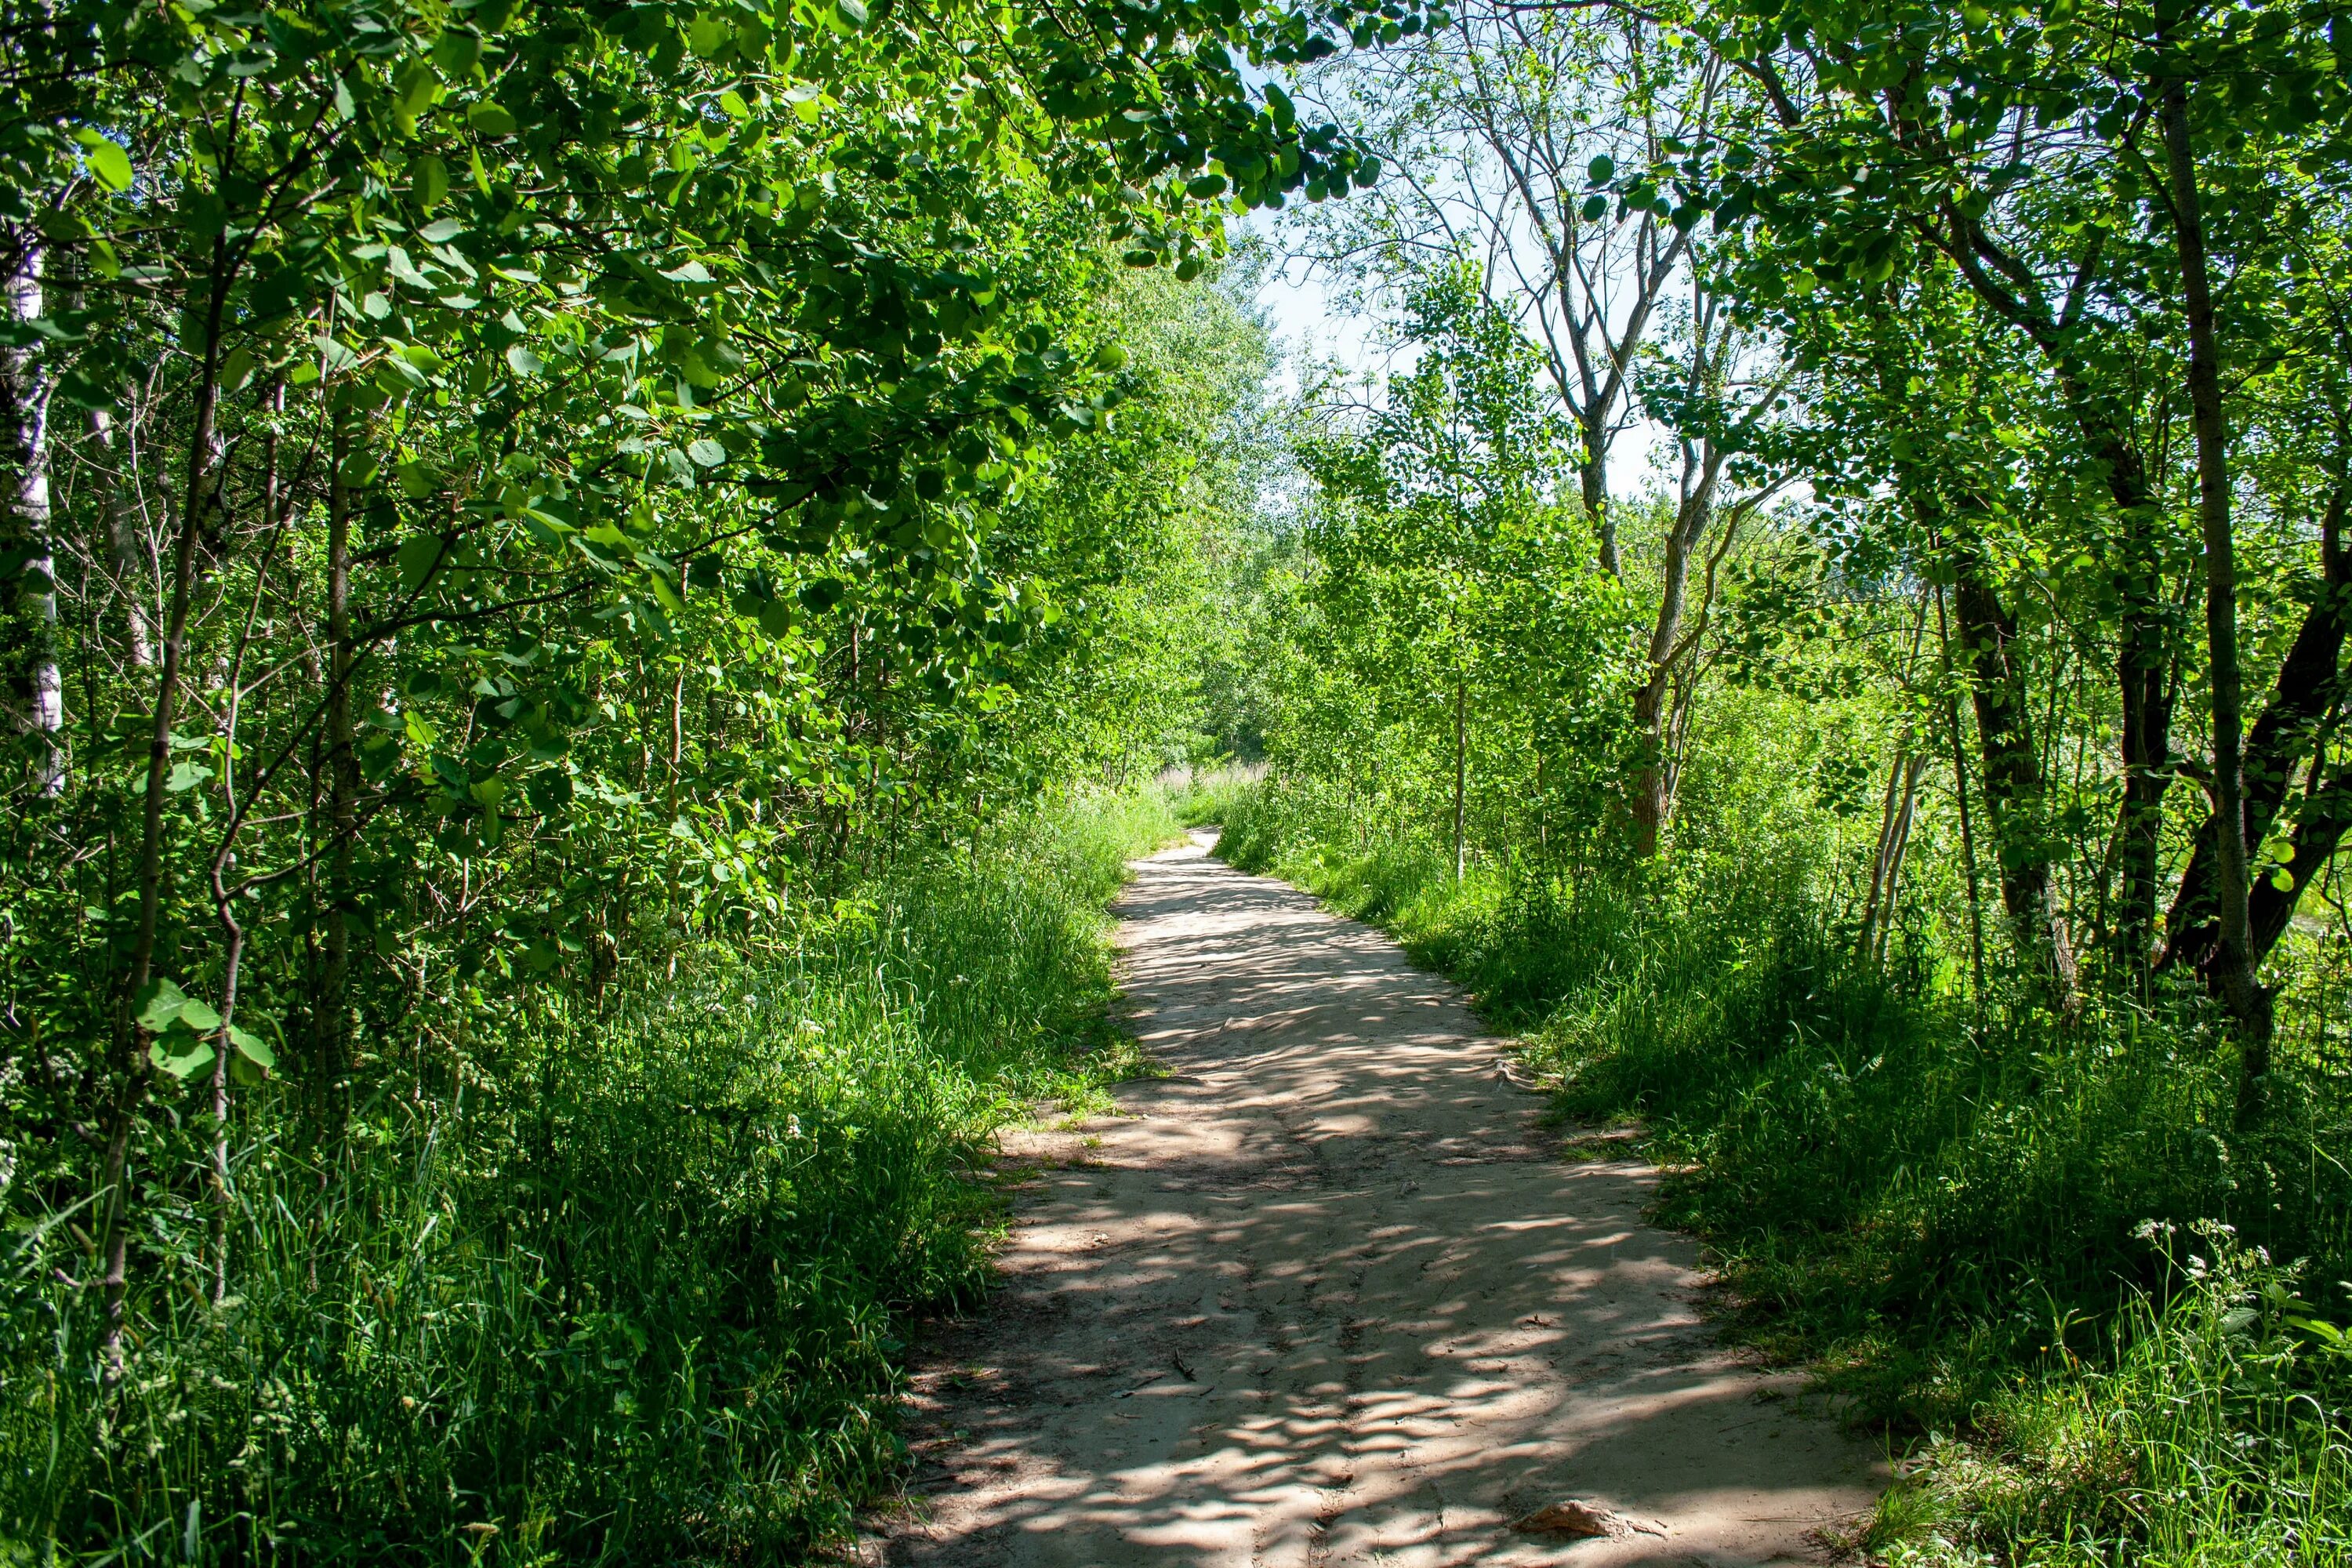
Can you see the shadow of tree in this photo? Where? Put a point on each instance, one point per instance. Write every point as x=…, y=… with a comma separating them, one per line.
x=1326, y=1296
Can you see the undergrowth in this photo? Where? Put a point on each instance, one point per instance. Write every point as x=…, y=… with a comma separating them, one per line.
x=1202, y=796
x=596, y=1285
x=2030, y=1248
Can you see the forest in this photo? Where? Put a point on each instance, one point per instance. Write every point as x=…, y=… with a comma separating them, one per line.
x=594, y=594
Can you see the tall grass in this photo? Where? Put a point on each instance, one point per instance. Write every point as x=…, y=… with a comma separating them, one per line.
x=1971, y=1217
x=594, y=1286
x=1202, y=796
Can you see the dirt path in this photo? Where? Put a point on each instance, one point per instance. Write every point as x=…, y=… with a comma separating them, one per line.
x=1328, y=1296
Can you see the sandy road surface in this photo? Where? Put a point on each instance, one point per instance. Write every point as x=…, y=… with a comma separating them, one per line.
x=1328, y=1295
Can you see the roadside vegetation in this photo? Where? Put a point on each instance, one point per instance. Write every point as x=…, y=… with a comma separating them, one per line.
x=636, y=1271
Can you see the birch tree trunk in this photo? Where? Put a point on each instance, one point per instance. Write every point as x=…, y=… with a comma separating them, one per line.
x=40, y=694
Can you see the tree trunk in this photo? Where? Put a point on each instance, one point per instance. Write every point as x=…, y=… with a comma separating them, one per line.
x=1960, y=794
x=677, y=736
x=2143, y=664
x=1461, y=767
x=333, y=1021
x=1886, y=862
x=2232, y=964
x=124, y=553
x=2306, y=690
x=1592, y=478
x=1651, y=783
x=224, y=1201
x=2015, y=793
x=1866, y=942
x=39, y=691
x=131, y=1076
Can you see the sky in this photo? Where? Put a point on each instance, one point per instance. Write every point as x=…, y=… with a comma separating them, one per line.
x=1313, y=330
x=1310, y=327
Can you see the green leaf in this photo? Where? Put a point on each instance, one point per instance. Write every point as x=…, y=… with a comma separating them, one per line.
x=395, y=377
x=185, y=1063
x=665, y=591
x=414, y=90
x=1286, y=113
x=197, y=1015
x=522, y=362
x=418, y=558
x=428, y=181
x=334, y=357
x=550, y=790
x=109, y=165
x=252, y=1048
x=709, y=453
x=156, y=1004
x=1602, y=170
x=853, y=12
x=1595, y=207
x=491, y=120
x=456, y=52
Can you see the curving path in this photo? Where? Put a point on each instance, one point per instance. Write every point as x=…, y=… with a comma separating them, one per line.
x=1329, y=1295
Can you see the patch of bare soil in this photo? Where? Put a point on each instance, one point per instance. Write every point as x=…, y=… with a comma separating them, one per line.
x=1328, y=1294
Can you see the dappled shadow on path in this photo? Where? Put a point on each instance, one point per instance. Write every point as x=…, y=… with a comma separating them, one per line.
x=1327, y=1295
